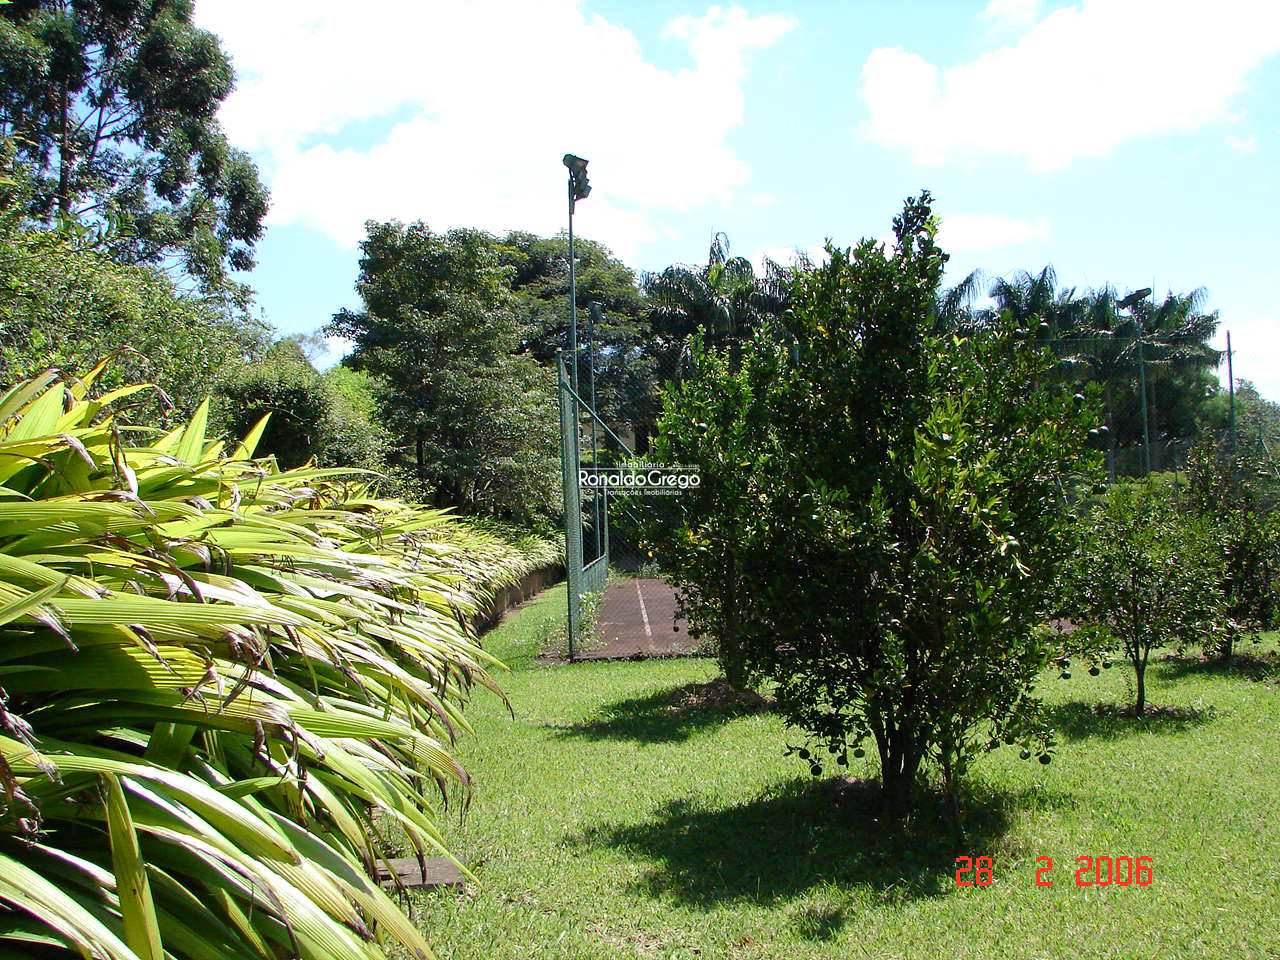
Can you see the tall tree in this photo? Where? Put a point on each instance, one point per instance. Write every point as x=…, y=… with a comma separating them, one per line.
x=540, y=281
x=726, y=298
x=1179, y=359
x=114, y=104
x=1174, y=356
x=1031, y=298
x=627, y=384
x=1257, y=421
x=65, y=305
x=1096, y=341
x=439, y=332
x=897, y=513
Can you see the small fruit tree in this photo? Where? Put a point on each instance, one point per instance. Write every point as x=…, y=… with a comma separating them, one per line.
x=1147, y=574
x=901, y=511
x=721, y=419
x=1234, y=495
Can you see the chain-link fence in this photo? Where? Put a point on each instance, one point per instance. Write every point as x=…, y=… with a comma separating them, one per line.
x=1138, y=460
x=620, y=604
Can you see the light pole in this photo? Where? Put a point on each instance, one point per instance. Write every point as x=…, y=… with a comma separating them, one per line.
x=579, y=189
x=1128, y=303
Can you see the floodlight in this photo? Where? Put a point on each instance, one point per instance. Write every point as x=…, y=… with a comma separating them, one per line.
x=1134, y=298
x=578, y=183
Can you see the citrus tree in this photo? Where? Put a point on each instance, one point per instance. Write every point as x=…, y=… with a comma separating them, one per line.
x=1147, y=573
x=901, y=513
x=720, y=419
x=1234, y=495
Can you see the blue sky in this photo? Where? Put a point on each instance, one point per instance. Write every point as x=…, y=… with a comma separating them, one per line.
x=1130, y=142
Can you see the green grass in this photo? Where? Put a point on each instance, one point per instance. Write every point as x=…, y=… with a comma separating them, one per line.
x=609, y=822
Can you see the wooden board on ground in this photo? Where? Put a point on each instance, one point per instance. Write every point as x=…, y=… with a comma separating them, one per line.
x=439, y=872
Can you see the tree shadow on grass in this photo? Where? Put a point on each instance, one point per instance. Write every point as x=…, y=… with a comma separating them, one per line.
x=1082, y=720
x=801, y=835
x=671, y=715
x=1246, y=666
x=818, y=922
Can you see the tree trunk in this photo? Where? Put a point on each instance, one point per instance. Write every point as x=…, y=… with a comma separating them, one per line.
x=949, y=784
x=1140, y=670
x=730, y=642
x=1227, y=647
x=64, y=156
x=1111, y=435
x=899, y=763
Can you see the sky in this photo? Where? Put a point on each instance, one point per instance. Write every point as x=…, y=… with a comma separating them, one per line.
x=1124, y=142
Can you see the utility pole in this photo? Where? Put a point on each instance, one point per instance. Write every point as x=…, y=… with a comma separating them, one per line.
x=1130, y=303
x=1231, y=389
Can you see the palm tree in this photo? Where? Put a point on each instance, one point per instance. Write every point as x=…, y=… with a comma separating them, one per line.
x=1033, y=300
x=955, y=307
x=725, y=299
x=1176, y=350
x=1028, y=297
x=1096, y=341
x=1103, y=349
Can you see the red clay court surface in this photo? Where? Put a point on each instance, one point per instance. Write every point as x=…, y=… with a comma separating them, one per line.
x=636, y=620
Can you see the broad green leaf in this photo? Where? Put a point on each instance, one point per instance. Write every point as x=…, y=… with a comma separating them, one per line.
x=141, y=930
x=26, y=890
x=23, y=606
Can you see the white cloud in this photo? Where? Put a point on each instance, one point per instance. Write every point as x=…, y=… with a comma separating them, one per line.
x=1083, y=80
x=976, y=232
x=1011, y=14
x=481, y=99
x=1243, y=144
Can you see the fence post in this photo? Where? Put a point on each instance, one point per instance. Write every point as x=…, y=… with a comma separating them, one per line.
x=572, y=500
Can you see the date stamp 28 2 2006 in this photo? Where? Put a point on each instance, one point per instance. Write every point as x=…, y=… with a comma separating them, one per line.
x=1092, y=870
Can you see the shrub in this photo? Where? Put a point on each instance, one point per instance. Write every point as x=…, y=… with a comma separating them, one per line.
x=1233, y=495
x=1146, y=574
x=720, y=420
x=899, y=512
x=311, y=419
x=216, y=671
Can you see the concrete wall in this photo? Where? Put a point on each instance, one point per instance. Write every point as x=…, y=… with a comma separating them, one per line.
x=532, y=583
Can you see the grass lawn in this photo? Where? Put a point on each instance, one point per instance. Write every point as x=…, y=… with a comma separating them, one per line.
x=608, y=822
